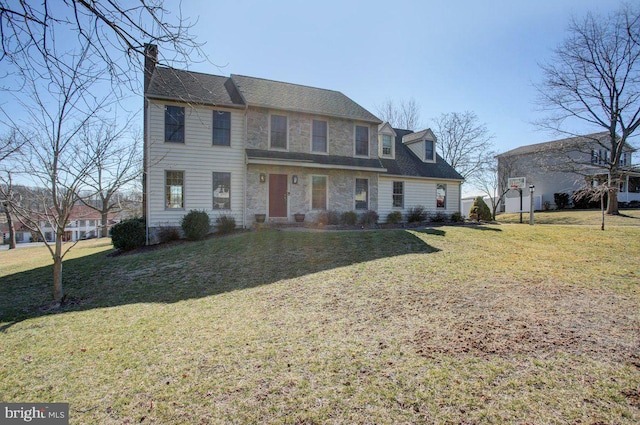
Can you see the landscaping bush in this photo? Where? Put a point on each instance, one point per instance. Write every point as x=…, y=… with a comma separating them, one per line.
x=129, y=234
x=348, y=218
x=480, y=211
x=369, y=218
x=168, y=234
x=196, y=225
x=416, y=214
x=561, y=200
x=394, y=217
x=328, y=217
x=438, y=217
x=457, y=217
x=225, y=224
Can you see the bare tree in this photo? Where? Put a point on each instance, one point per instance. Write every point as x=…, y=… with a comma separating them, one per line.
x=116, y=162
x=464, y=142
x=406, y=115
x=53, y=155
x=493, y=181
x=594, y=78
x=113, y=32
x=7, y=199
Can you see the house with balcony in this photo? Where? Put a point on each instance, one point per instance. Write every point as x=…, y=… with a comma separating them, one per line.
x=253, y=149
x=564, y=166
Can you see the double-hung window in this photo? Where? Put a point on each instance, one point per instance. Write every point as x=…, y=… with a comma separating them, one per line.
x=362, y=140
x=319, y=136
x=398, y=194
x=221, y=191
x=428, y=150
x=319, y=192
x=441, y=196
x=174, y=189
x=362, y=194
x=386, y=144
x=222, y=128
x=174, y=124
x=278, y=131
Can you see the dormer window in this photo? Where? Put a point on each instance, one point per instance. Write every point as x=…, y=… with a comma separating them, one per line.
x=386, y=144
x=428, y=150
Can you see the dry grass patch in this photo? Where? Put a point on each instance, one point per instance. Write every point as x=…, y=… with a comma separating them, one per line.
x=510, y=324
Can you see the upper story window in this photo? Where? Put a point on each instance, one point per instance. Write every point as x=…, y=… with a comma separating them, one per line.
x=319, y=136
x=386, y=144
x=623, y=159
x=278, y=132
x=174, y=189
x=429, y=154
x=362, y=140
x=221, y=128
x=362, y=194
x=174, y=124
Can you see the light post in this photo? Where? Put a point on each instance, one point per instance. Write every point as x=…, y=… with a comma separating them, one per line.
x=532, y=189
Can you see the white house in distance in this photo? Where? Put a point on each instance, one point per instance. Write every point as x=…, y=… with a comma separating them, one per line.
x=249, y=148
x=84, y=223
x=564, y=166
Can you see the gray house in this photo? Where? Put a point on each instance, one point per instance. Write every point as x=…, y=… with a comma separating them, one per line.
x=564, y=166
x=242, y=146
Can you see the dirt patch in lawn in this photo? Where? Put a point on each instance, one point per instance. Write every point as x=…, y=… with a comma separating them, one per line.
x=537, y=320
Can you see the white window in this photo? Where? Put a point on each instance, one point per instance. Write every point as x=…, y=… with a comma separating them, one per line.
x=278, y=132
x=362, y=194
x=318, y=192
x=428, y=150
x=221, y=191
x=174, y=189
x=362, y=140
x=319, y=136
x=398, y=194
x=441, y=196
x=386, y=144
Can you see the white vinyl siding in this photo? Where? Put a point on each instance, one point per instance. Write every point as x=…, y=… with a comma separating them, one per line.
x=416, y=192
x=198, y=158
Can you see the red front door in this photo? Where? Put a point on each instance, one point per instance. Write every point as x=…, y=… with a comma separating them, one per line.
x=277, y=195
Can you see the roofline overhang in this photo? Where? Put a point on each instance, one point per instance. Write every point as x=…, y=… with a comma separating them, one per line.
x=400, y=176
x=173, y=99
x=310, y=164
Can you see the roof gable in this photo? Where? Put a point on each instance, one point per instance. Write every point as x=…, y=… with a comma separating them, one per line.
x=426, y=134
x=386, y=127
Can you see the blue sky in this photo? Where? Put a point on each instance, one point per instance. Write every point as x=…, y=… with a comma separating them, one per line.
x=480, y=56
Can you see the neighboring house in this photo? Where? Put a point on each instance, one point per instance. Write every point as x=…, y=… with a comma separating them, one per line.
x=241, y=146
x=564, y=166
x=23, y=235
x=84, y=223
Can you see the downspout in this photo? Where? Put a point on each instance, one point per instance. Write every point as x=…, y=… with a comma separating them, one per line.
x=246, y=171
x=150, y=62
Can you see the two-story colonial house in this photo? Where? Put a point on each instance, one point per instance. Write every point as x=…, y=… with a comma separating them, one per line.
x=243, y=147
x=564, y=166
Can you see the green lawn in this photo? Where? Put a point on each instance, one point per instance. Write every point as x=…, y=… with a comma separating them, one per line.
x=576, y=217
x=457, y=324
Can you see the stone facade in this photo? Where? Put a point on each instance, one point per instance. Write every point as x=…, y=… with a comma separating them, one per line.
x=341, y=132
x=341, y=190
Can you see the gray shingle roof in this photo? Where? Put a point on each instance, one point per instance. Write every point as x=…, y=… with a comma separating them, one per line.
x=311, y=160
x=406, y=163
x=560, y=144
x=193, y=87
x=294, y=97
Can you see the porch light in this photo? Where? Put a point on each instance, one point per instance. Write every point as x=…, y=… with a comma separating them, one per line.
x=294, y=179
x=263, y=177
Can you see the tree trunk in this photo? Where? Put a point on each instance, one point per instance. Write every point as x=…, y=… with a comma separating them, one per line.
x=105, y=224
x=12, y=230
x=58, y=293
x=612, y=202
